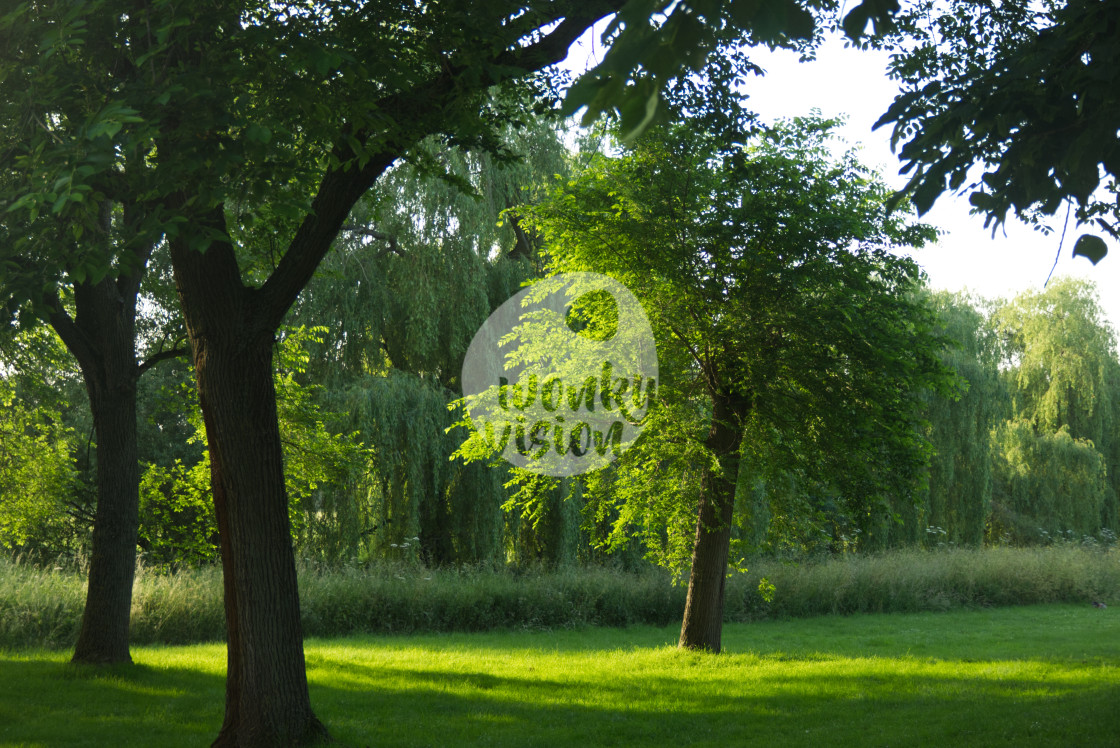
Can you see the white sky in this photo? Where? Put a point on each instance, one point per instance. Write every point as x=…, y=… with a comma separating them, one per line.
x=852, y=82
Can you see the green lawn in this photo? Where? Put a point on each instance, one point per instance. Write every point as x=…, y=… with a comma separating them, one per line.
x=1047, y=675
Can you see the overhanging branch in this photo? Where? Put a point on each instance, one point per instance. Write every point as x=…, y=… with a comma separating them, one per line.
x=412, y=115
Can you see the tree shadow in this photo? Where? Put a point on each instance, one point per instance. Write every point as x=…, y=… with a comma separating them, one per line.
x=823, y=689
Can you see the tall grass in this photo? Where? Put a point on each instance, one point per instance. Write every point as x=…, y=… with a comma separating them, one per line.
x=915, y=580
x=42, y=607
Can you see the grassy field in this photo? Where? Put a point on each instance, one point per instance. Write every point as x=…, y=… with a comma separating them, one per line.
x=1025, y=676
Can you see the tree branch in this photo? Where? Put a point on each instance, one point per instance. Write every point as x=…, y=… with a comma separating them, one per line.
x=375, y=234
x=75, y=340
x=164, y=355
x=410, y=116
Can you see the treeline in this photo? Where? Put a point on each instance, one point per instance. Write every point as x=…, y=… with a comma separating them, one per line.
x=1021, y=450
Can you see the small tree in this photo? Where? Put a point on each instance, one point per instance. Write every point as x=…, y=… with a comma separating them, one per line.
x=786, y=329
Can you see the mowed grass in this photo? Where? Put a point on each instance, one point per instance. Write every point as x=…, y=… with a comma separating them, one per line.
x=1043, y=675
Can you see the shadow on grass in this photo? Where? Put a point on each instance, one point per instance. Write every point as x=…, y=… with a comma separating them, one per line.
x=814, y=685
x=814, y=706
x=52, y=704
x=47, y=701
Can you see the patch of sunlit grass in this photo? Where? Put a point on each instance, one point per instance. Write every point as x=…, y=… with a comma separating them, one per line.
x=1034, y=676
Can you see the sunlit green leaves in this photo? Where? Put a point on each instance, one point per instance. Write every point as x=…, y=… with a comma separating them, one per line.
x=763, y=269
x=1062, y=363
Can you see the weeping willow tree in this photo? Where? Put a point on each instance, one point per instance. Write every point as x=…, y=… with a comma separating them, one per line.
x=1061, y=359
x=958, y=498
x=421, y=265
x=1047, y=484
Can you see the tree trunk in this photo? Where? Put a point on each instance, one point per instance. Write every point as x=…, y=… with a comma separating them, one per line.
x=104, y=633
x=102, y=339
x=702, y=626
x=267, y=702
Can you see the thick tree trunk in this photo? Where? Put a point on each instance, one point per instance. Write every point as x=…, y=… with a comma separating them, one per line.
x=267, y=702
x=104, y=633
x=102, y=338
x=702, y=627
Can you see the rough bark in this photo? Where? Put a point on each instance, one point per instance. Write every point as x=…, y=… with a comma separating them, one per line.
x=702, y=627
x=101, y=337
x=231, y=329
x=267, y=702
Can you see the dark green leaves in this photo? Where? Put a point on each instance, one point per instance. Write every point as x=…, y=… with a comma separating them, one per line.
x=773, y=22
x=880, y=12
x=1091, y=247
x=1027, y=93
x=654, y=44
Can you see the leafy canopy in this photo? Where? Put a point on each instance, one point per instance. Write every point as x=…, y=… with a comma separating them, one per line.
x=1028, y=93
x=765, y=268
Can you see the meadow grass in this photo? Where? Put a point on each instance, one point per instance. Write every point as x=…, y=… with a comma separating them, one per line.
x=42, y=607
x=1026, y=676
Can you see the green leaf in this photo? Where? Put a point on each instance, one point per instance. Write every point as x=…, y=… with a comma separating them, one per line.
x=635, y=108
x=880, y=12
x=255, y=133
x=105, y=127
x=1092, y=247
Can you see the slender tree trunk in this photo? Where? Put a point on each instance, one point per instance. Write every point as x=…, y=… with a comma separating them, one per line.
x=267, y=702
x=702, y=626
x=102, y=338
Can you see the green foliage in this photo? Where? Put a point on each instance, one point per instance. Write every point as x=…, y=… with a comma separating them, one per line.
x=177, y=524
x=41, y=607
x=958, y=498
x=651, y=43
x=435, y=248
x=1066, y=360
x=319, y=459
x=36, y=473
x=916, y=580
x=45, y=502
x=426, y=506
x=1066, y=376
x=765, y=272
x=1025, y=90
x=1046, y=483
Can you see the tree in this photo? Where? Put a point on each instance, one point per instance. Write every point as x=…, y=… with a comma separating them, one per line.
x=75, y=258
x=37, y=472
x=242, y=134
x=1028, y=91
x=99, y=330
x=423, y=260
x=1062, y=364
x=1046, y=484
x=785, y=326
x=958, y=497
